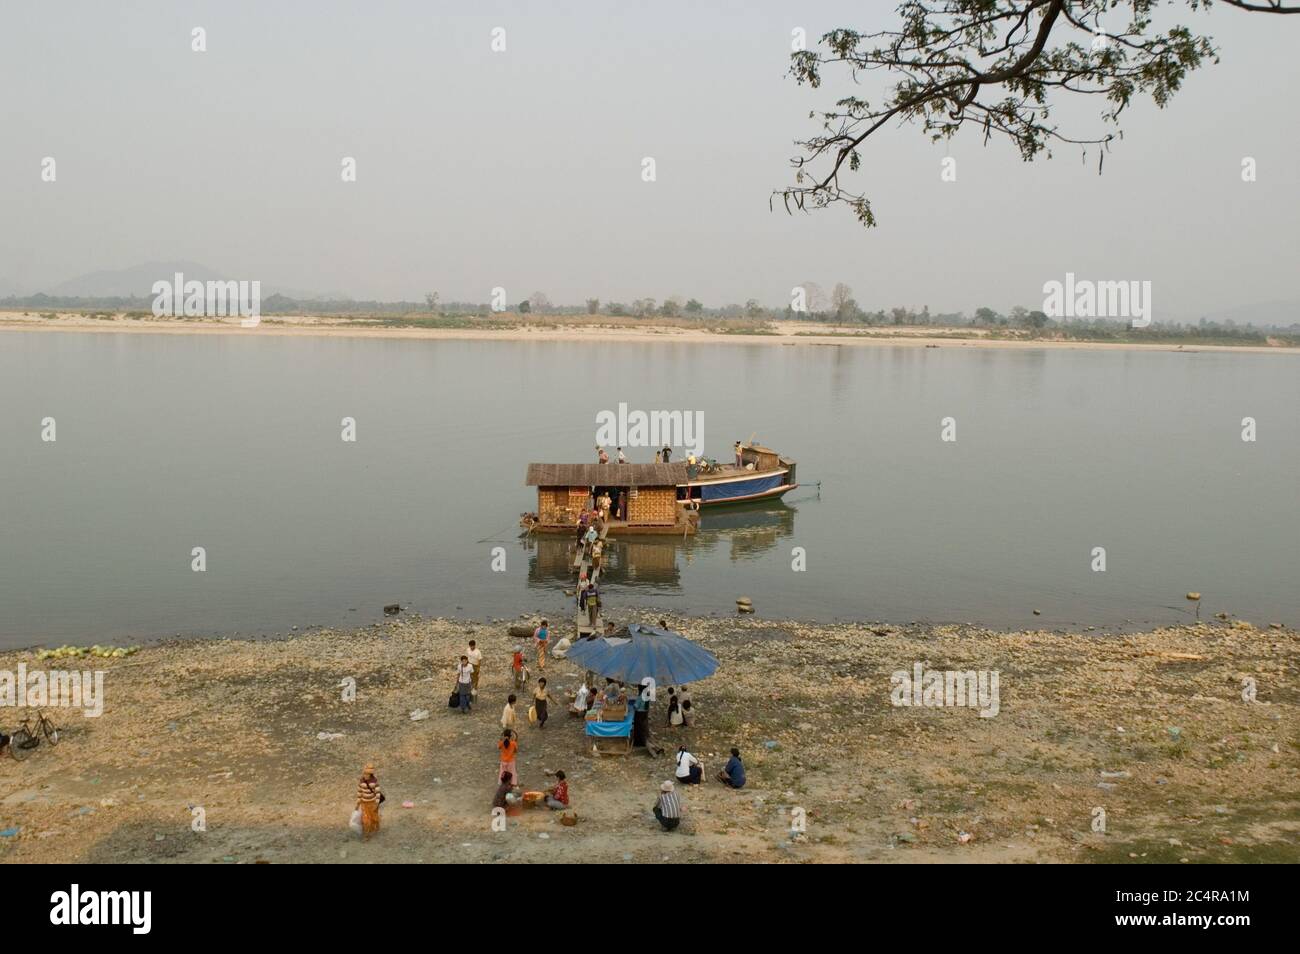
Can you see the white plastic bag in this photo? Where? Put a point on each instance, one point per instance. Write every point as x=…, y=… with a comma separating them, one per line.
x=355, y=822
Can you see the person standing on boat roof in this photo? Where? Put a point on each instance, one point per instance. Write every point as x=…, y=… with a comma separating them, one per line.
x=667, y=454
x=622, y=458
x=602, y=458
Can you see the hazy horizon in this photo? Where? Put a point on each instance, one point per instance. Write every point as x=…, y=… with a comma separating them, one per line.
x=522, y=169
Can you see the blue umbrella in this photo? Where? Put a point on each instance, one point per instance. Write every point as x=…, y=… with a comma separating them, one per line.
x=638, y=651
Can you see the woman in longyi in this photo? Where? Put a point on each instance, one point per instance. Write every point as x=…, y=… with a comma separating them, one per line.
x=368, y=798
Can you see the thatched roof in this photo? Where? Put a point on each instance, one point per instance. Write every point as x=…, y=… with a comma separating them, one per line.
x=606, y=475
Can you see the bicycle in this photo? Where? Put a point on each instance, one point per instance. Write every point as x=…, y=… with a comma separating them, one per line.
x=27, y=737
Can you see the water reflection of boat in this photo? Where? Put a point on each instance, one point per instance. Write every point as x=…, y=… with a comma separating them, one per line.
x=751, y=516
x=749, y=530
x=631, y=562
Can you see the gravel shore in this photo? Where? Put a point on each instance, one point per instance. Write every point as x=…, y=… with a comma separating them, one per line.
x=1142, y=748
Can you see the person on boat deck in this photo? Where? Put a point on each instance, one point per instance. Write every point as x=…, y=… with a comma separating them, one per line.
x=621, y=514
x=557, y=797
x=740, y=458
x=733, y=773
x=667, y=454
x=604, y=458
x=622, y=458
x=689, y=769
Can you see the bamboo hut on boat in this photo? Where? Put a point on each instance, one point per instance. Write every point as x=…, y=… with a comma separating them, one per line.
x=650, y=492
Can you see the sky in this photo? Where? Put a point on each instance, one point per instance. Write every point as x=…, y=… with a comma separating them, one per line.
x=522, y=169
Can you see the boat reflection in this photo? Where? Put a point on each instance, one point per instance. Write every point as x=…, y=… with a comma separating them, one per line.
x=747, y=531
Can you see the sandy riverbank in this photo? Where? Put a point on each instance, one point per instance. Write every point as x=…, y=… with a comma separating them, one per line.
x=232, y=726
x=593, y=330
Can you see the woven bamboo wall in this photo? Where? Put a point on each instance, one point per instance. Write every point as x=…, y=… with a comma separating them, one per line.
x=653, y=506
x=555, y=505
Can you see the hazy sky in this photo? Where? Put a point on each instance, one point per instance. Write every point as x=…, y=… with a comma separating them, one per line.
x=523, y=169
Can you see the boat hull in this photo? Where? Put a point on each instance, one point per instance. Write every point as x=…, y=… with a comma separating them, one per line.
x=740, y=489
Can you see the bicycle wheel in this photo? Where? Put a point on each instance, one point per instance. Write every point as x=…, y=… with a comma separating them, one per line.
x=21, y=744
x=51, y=731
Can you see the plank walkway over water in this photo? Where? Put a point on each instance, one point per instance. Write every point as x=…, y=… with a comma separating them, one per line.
x=582, y=563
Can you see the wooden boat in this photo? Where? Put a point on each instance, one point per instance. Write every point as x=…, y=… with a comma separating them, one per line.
x=761, y=474
x=656, y=498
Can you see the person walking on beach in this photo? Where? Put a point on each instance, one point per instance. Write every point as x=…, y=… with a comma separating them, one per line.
x=540, y=636
x=508, y=714
x=368, y=798
x=508, y=748
x=517, y=668
x=475, y=657
x=541, y=698
x=668, y=807
x=464, y=682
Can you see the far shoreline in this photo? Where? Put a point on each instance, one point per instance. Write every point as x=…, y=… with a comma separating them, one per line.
x=777, y=333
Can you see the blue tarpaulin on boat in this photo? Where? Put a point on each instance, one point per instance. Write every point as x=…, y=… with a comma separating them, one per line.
x=741, y=488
